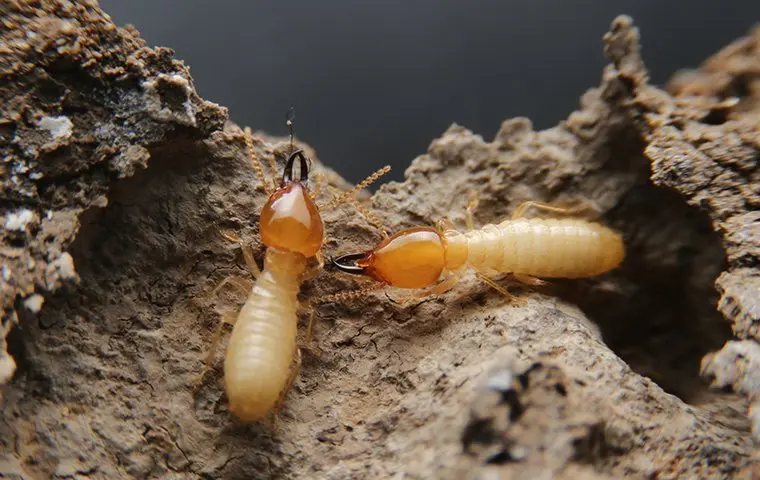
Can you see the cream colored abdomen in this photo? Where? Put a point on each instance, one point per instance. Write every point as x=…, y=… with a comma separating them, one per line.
x=548, y=248
x=262, y=347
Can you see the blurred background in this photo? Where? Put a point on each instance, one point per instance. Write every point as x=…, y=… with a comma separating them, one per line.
x=373, y=83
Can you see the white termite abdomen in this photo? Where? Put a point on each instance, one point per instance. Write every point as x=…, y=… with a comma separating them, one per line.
x=548, y=248
x=262, y=346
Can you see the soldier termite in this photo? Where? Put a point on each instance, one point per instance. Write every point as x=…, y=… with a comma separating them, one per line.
x=527, y=248
x=262, y=358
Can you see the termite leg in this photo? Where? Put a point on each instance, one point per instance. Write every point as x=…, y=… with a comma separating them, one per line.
x=227, y=318
x=295, y=367
x=230, y=236
x=529, y=280
x=547, y=207
x=439, y=288
x=241, y=283
x=492, y=283
x=473, y=199
x=314, y=270
x=472, y=204
x=309, y=344
x=250, y=261
x=444, y=224
x=320, y=260
x=308, y=274
x=310, y=330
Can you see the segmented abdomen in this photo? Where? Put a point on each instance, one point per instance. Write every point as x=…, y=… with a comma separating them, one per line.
x=549, y=248
x=262, y=347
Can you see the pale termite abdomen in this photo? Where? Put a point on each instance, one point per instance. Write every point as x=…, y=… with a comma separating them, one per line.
x=545, y=248
x=263, y=342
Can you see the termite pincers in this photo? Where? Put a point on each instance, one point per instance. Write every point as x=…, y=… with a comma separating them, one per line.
x=527, y=248
x=263, y=359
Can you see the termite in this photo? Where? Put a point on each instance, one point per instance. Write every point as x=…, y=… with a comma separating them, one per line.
x=530, y=249
x=262, y=358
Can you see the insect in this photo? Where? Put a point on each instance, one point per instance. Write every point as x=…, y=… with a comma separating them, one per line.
x=262, y=358
x=527, y=248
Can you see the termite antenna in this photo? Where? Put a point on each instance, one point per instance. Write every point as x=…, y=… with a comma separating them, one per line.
x=248, y=137
x=364, y=184
x=372, y=219
x=344, y=296
x=290, y=118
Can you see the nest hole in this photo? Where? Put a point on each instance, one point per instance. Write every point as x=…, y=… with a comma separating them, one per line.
x=658, y=311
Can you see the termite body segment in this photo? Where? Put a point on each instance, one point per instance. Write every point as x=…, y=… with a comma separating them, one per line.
x=544, y=248
x=262, y=346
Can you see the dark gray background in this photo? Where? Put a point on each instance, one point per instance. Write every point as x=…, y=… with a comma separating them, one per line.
x=375, y=82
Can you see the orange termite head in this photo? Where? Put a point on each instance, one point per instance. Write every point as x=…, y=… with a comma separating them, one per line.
x=412, y=258
x=290, y=219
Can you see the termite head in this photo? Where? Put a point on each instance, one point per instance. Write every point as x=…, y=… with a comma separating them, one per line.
x=413, y=258
x=290, y=219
